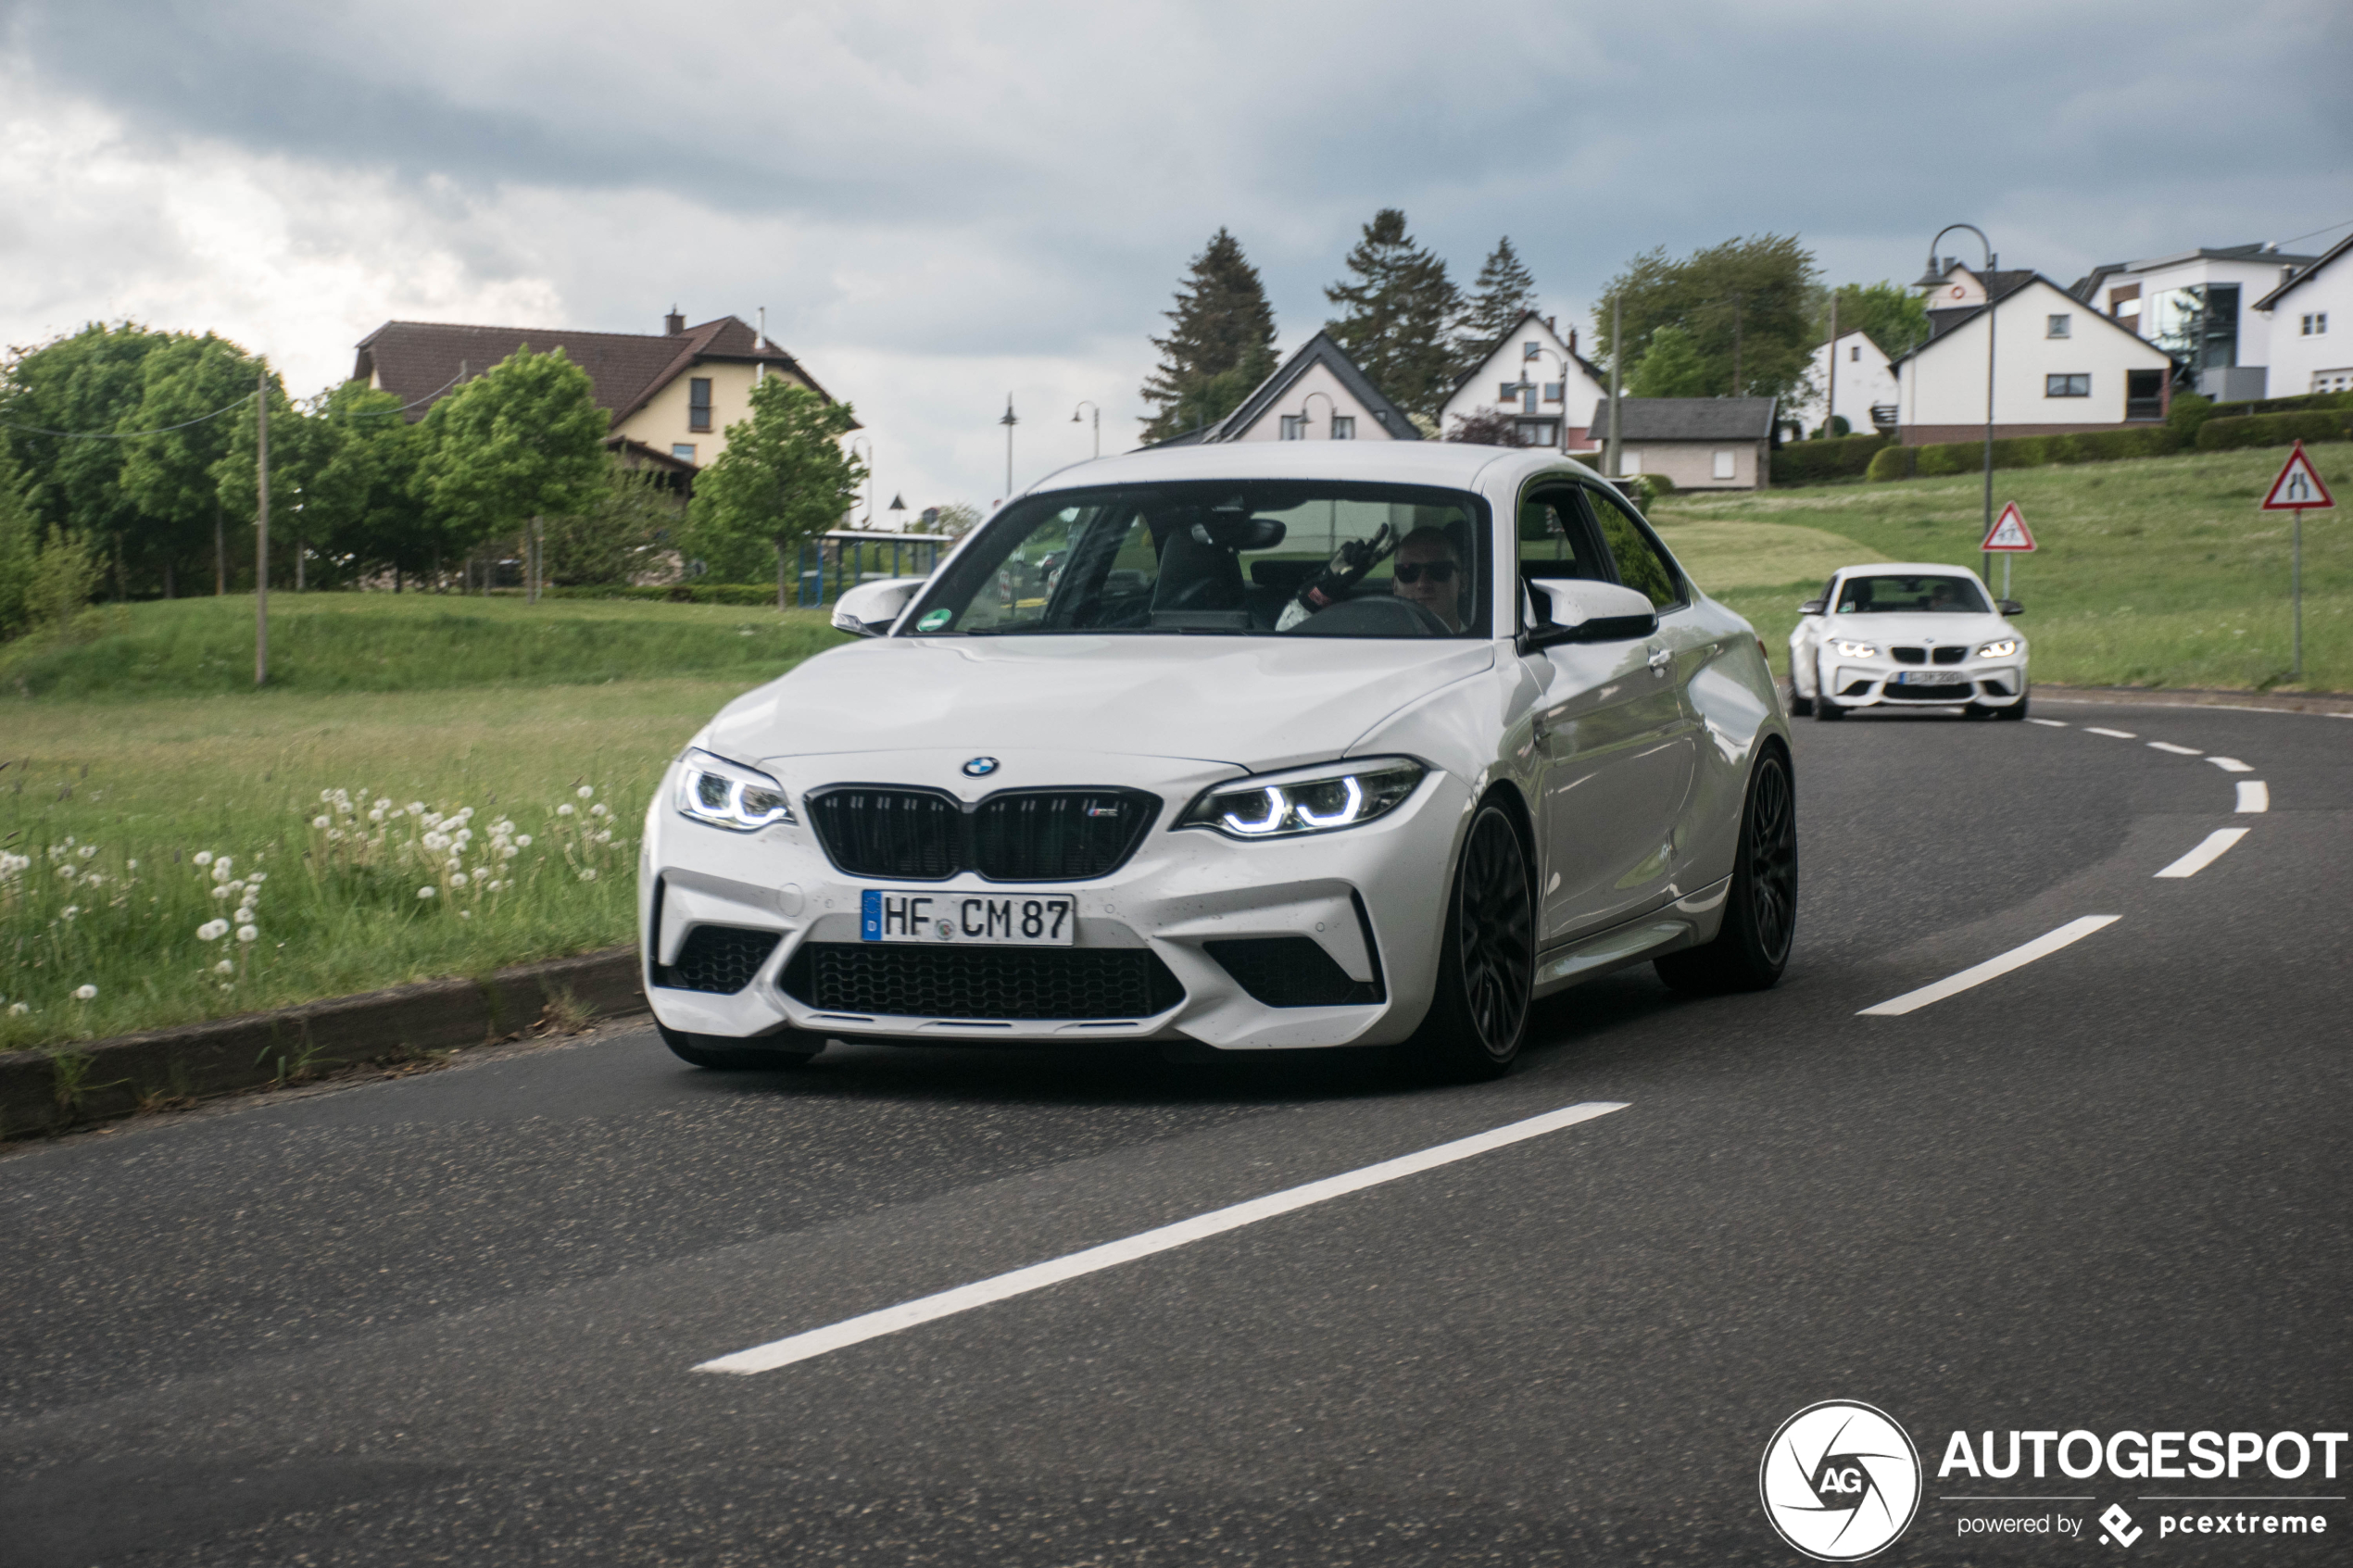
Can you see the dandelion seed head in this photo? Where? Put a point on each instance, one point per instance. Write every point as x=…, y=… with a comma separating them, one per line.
x=322, y=822
x=584, y=791
x=244, y=915
x=588, y=875
x=85, y=993
x=204, y=857
x=223, y=892
x=598, y=809
x=456, y=879
x=508, y=851
x=18, y=1010
x=525, y=840
x=465, y=914
x=248, y=932
x=224, y=967
x=416, y=807
x=605, y=837
x=427, y=892
x=71, y=910
x=131, y=865
x=565, y=811
x=88, y=849
x=68, y=872
x=212, y=930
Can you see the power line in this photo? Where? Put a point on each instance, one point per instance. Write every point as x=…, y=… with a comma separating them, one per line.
x=2331, y=228
x=126, y=434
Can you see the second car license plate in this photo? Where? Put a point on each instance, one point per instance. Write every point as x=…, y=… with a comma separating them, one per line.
x=1929, y=678
x=975, y=919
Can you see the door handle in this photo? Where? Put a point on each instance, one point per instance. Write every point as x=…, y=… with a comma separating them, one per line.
x=1660, y=659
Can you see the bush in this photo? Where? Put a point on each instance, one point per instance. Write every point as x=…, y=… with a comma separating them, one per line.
x=1894, y=462
x=2112, y=445
x=2025, y=452
x=744, y=594
x=2304, y=403
x=1812, y=462
x=2188, y=410
x=2270, y=429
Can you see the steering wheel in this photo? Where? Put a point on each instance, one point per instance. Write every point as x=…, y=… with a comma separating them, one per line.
x=1372, y=617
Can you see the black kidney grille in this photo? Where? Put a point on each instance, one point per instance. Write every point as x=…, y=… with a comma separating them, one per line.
x=1022, y=836
x=913, y=834
x=1009, y=983
x=718, y=958
x=1060, y=836
x=1909, y=655
x=1950, y=656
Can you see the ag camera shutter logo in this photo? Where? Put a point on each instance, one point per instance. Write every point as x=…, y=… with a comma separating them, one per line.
x=1840, y=1481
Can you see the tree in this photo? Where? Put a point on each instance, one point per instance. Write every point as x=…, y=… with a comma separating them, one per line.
x=17, y=546
x=1220, y=342
x=168, y=474
x=1745, y=306
x=88, y=384
x=1505, y=291
x=1395, y=314
x=784, y=476
x=633, y=515
x=1894, y=319
x=1493, y=428
x=1670, y=367
x=343, y=484
x=524, y=440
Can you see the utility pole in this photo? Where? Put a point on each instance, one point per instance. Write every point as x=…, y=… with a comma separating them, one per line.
x=1009, y=421
x=1612, y=459
x=1736, y=345
x=261, y=530
x=1829, y=394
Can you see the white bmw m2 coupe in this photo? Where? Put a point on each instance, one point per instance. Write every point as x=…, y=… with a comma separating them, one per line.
x=1899, y=634
x=1237, y=747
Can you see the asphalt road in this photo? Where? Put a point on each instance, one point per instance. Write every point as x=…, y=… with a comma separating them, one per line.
x=455, y=1318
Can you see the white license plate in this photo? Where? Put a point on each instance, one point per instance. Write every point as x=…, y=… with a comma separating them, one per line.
x=1930, y=678
x=980, y=920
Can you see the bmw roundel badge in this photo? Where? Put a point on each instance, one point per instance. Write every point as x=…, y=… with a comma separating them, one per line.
x=980, y=767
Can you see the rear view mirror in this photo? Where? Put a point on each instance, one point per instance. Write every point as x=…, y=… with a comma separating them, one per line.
x=2010, y=607
x=1576, y=609
x=1241, y=533
x=1811, y=607
x=870, y=608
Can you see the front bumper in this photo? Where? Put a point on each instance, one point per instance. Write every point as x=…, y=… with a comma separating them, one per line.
x=1364, y=895
x=1870, y=682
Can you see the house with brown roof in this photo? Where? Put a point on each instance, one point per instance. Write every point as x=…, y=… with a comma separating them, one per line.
x=671, y=396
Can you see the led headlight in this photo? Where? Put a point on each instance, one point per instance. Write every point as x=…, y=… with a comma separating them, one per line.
x=2002, y=649
x=1325, y=800
x=728, y=795
x=1855, y=650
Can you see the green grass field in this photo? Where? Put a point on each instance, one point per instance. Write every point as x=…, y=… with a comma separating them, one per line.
x=123, y=790
x=2161, y=572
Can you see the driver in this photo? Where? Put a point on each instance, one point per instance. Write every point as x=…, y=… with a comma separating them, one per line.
x=1428, y=573
x=1941, y=595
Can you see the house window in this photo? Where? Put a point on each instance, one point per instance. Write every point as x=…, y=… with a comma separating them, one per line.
x=2067, y=386
x=1527, y=397
x=1725, y=466
x=1552, y=391
x=2145, y=395
x=2060, y=326
x=1343, y=427
x=1294, y=427
x=1855, y=354
x=1537, y=433
x=699, y=403
x=684, y=451
x=2333, y=381
x=1506, y=392
x=2316, y=324
x=1530, y=349
x=1629, y=461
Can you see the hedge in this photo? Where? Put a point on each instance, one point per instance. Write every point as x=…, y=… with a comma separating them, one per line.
x=2271, y=430
x=676, y=592
x=1812, y=462
x=2303, y=403
x=2025, y=452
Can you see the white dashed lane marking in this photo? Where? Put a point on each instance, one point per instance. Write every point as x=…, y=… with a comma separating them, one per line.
x=2112, y=735
x=2230, y=764
x=2206, y=854
x=2054, y=724
x=2176, y=750
x=2254, y=795
x=2043, y=947
x=963, y=1299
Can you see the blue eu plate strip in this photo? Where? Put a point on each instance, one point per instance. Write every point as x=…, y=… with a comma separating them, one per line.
x=869, y=915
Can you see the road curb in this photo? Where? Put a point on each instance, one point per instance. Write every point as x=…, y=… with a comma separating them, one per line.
x=2194, y=697
x=48, y=1091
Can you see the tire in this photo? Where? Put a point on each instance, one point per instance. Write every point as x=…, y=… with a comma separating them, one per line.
x=1799, y=707
x=1761, y=912
x=1825, y=709
x=1478, y=1021
x=722, y=1054
x=1977, y=711
x=2014, y=712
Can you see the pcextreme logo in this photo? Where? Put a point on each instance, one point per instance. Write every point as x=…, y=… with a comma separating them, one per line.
x=1840, y=1481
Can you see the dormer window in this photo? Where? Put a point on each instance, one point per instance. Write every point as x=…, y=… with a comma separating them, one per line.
x=699, y=403
x=1530, y=349
x=2061, y=326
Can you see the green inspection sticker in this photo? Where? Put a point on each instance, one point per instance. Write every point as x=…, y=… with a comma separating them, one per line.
x=933, y=619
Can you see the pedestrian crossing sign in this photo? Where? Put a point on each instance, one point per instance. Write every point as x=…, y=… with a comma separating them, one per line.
x=2297, y=487
x=2008, y=532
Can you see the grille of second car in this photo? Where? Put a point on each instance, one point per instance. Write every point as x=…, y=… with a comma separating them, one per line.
x=1019, y=835
x=1908, y=656
x=1009, y=983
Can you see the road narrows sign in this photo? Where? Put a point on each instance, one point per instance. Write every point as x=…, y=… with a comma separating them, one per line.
x=2008, y=532
x=2297, y=487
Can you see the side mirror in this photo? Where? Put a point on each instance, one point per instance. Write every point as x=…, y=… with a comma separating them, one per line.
x=872, y=608
x=1812, y=607
x=2009, y=606
x=1575, y=609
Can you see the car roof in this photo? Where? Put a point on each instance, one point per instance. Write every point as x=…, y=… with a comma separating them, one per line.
x=1452, y=464
x=1906, y=569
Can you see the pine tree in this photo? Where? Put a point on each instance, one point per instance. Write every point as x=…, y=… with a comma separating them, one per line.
x=1220, y=342
x=1505, y=291
x=1395, y=316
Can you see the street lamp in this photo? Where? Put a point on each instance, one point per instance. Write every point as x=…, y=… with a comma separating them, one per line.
x=1933, y=278
x=1091, y=403
x=866, y=442
x=898, y=509
x=1331, y=410
x=1010, y=421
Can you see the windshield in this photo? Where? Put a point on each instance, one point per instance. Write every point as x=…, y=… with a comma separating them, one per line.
x=1233, y=557
x=1911, y=595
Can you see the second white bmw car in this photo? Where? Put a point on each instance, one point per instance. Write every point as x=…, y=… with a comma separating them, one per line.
x=1899, y=634
x=1237, y=747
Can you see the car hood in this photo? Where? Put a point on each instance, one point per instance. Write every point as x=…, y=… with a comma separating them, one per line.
x=1255, y=702
x=1929, y=630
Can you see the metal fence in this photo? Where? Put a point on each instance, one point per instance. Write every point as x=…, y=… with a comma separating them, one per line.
x=838, y=560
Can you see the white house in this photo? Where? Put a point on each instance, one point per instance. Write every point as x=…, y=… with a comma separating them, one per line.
x=1853, y=376
x=2311, y=319
x=1550, y=392
x=1316, y=394
x=1699, y=443
x=2200, y=307
x=2059, y=367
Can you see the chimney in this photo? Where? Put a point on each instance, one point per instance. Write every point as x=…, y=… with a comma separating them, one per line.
x=673, y=323
x=1548, y=325
x=1572, y=340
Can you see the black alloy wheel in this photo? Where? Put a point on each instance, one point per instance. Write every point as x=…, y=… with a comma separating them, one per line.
x=721, y=1053
x=1487, y=964
x=1761, y=912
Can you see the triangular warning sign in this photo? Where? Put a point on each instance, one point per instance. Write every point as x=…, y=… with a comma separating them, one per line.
x=2008, y=532
x=2298, y=487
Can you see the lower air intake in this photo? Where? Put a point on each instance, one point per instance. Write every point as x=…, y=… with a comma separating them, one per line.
x=1291, y=972
x=717, y=957
x=1018, y=984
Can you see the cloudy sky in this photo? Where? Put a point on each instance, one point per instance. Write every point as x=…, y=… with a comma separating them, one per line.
x=940, y=203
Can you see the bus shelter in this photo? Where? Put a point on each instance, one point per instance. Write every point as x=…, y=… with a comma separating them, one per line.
x=840, y=559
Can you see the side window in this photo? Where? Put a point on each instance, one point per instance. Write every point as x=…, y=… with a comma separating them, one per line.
x=1554, y=541
x=1640, y=565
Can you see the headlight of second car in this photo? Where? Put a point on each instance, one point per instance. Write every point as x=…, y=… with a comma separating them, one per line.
x=2002, y=648
x=1855, y=650
x=1306, y=800
x=728, y=795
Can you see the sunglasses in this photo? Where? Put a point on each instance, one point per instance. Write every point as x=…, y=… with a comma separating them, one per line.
x=1439, y=570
